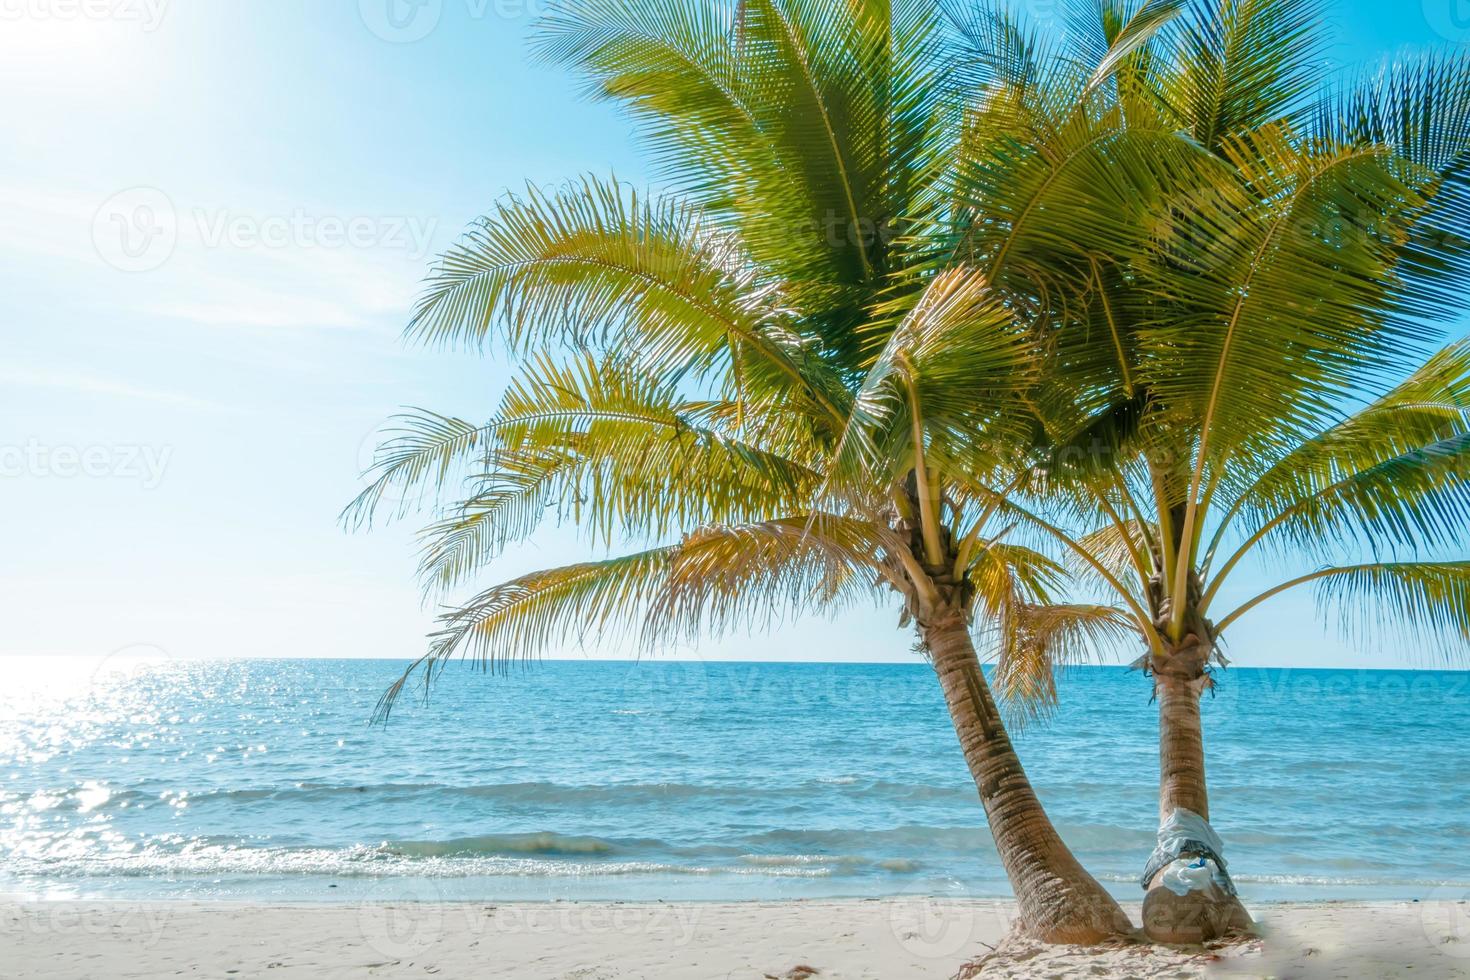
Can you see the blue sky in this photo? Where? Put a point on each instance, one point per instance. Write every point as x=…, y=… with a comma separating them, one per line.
x=184, y=412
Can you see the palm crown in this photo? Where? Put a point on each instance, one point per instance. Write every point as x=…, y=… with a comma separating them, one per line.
x=785, y=362
x=1224, y=377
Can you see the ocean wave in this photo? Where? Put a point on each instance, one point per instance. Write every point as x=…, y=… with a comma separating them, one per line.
x=517, y=793
x=1326, y=881
x=383, y=861
x=535, y=843
x=908, y=837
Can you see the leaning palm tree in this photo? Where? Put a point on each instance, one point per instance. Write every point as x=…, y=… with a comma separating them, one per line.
x=784, y=486
x=1243, y=377
x=862, y=382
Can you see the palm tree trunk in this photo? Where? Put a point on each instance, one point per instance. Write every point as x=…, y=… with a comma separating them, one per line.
x=1211, y=912
x=1059, y=901
x=1181, y=746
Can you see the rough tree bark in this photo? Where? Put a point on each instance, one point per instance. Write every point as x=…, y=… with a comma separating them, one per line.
x=1059, y=901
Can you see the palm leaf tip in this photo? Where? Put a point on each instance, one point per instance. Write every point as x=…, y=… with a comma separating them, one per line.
x=1416, y=605
x=1035, y=640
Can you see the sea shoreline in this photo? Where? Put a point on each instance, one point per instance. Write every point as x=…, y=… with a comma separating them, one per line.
x=261, y=781
x=904, y=936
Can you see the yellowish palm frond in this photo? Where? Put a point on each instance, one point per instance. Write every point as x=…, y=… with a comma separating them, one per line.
x=1033, y=641
x=752, y=575
x=521, y=618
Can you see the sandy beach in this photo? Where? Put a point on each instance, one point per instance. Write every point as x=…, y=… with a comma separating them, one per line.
x=887, y=938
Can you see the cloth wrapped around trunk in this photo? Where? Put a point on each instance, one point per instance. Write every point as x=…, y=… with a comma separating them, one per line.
x=1189, y=853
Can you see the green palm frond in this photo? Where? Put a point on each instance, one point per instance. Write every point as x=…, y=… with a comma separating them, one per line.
x=1004, y=576
x=802, y=122
x=1243, y=64
x=1043, y=196
x=581, y=264
x=1116, y=38
x=997, y=49
x=1430, y=404
x=1417, y=499
x=955, y=368
x=419, y=452
x=1412, y=605
x=519, y=619
x=644, y=465
x=606, y=446
x=595, y=264
x=508, y=504
x=678, y=64
x=1392, y=473
x=1420, y=107
x=717, y=577
x=1288, y=321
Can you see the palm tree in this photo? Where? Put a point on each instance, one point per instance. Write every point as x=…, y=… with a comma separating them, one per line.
x=785, y=489
x=787, y=364
x=1242, y=375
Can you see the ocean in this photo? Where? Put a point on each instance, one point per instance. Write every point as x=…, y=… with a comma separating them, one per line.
x=262, y=780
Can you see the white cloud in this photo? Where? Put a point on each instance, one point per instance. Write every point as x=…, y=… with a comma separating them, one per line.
x=34, y=377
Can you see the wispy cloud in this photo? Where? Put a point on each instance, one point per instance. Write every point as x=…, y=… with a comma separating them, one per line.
x=92, y=384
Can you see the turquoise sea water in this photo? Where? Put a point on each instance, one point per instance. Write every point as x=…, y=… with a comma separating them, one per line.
x=657, y=779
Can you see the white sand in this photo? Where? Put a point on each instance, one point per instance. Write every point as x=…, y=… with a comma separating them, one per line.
x=889, y=938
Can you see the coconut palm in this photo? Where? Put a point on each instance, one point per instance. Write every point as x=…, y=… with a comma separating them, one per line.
x=783, y=488
x=1243, y=377
x=788, y=365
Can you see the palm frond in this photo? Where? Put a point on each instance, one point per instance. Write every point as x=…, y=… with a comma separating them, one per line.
x=522, y=618
x=1286, y=320
x=1419, y=106
x=1243, y=64
x=958, y=363
x=801, y=122
x=595, y=264
x=1392, y=473
x=752, y=575
x=618, y=453
x=420, y=452
x=1005, y=576
x=509, y=502
x=1410, y=605
x=1034, y=641
x=1114, y=546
